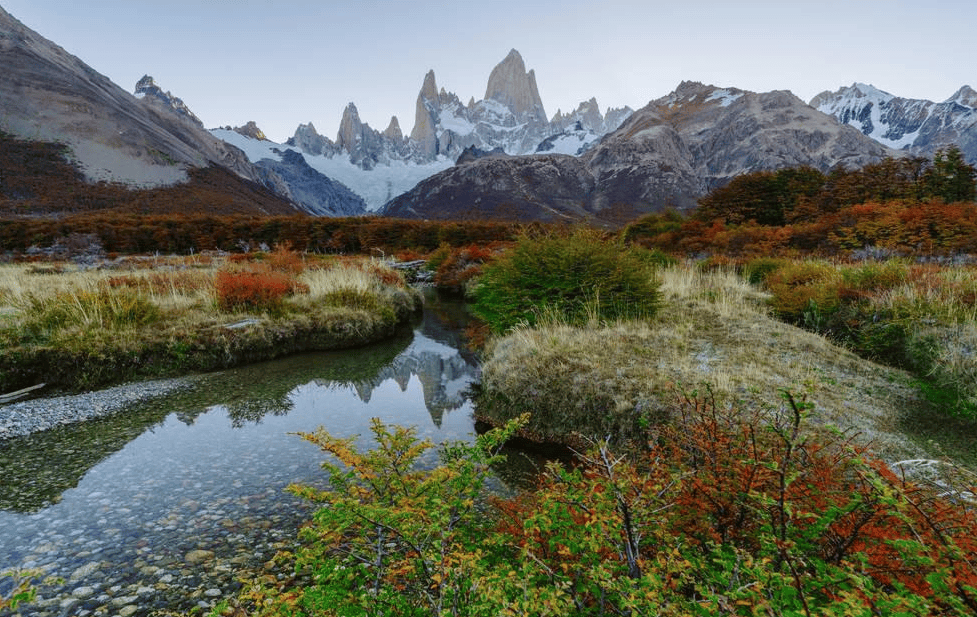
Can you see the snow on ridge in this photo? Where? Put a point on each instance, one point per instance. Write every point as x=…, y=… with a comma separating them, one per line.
x=724, y=96
x=376, y=187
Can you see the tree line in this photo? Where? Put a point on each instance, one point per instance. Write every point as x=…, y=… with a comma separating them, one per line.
x=803, y=194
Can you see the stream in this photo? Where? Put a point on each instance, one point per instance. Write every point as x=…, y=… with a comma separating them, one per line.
x=159, y=508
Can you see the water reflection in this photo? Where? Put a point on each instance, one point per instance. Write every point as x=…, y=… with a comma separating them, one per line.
x=114, y=506
x=37, y=469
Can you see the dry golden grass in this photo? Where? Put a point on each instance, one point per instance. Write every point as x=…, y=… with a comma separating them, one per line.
x=714, y=331
x=137, y=316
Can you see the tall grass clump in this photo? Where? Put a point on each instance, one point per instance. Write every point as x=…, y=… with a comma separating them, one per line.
x=90, y=309
x=578, y=275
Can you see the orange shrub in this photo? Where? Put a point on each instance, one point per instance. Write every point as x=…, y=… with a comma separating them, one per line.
x=253, y=290
x=284, y=259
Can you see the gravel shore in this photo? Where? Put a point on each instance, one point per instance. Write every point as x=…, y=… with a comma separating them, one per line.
x=22, y=418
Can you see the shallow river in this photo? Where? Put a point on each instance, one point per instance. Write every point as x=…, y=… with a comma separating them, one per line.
x=159, y=507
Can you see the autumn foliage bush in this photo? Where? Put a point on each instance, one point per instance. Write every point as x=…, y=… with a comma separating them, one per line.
x=253, y=290
x=730, y=511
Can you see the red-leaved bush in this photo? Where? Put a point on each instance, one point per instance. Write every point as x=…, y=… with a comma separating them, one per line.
x=253, y=290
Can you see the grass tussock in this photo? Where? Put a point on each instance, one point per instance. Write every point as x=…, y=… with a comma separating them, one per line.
x=714, y=330
x=918, y=317
x=84, y=328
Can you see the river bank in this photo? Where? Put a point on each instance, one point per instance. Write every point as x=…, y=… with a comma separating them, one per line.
x=77, y=329
x=162, y=508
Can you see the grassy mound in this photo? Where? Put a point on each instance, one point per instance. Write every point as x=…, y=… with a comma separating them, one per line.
x=713, y=331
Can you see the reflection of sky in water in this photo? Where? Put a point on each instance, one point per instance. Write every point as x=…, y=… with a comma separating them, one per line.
x=185, y=475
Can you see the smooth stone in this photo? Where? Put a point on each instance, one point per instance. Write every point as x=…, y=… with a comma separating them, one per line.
x=83, y=592
x=198, y=556
x=84, y=571
x=128, y=611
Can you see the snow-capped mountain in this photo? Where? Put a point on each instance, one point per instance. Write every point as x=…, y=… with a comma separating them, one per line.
x=373, y=187
x=918, y=126
x=665, y=155
x=380, y=165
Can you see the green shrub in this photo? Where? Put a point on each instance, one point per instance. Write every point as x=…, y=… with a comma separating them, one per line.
x=577, y=276
x=756, y=271
x=875, y=277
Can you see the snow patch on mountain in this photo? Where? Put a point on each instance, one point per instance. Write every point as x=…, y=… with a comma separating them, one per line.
x=724, y=96
x=916, y=125
x=376, y=186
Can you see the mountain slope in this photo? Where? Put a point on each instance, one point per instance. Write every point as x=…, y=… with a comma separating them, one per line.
x=918, y=126
x=54, y=100
x=665, y=155
x=47, y=94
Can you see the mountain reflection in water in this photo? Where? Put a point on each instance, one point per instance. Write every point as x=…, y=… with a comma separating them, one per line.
x=38, y=469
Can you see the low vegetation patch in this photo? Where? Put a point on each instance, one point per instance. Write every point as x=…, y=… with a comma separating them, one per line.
x=919, y=317
x=85, y=328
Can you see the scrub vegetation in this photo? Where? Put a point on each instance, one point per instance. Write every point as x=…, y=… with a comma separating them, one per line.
x=79, y=328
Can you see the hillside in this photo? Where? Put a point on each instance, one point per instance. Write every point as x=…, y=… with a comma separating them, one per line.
x=37, y=180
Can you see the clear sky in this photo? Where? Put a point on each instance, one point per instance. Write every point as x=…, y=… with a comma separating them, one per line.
x=285, y=62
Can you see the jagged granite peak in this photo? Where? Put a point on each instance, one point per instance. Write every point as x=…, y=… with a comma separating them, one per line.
x=308, y=140
x=393, y=130
x=918, y=126
x=429, y=89
x=146, y=87
x=366, y=146
x=251, y=130
x=665, y=155
x=589, y=117
x=424, y=133
x=350, y=128
x=510, y=84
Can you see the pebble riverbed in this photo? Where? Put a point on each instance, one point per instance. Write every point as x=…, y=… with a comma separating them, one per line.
x=176, y=506
x=23, y=418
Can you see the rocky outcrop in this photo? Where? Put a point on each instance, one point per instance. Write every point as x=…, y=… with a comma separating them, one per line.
x=918, y=126
x=146, y=87
x=251, y=131
x=313, y=191
x=511, y=85
x=308, y=140
x=665, y=155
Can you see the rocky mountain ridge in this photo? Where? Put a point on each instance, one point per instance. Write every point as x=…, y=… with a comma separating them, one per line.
x=665, y=155
x=46, y=94
x=917, y=126
x=380, y=165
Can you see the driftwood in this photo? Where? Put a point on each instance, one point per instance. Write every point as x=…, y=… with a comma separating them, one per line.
x=13, y=396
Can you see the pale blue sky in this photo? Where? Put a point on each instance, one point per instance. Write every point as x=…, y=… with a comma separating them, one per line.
x=285, y=62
